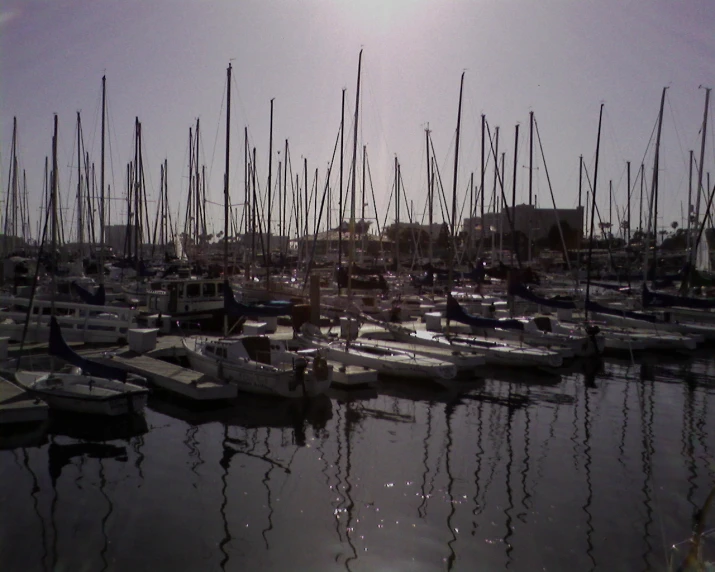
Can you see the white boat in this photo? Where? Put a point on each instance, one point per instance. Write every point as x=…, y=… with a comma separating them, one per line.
x=386, y=360
x=84, y=393
x=183, y=297
x=658, y=334
x=547, y=332
x=609, y=338
x=258, y=364
x=465, y=361
x=495, y=353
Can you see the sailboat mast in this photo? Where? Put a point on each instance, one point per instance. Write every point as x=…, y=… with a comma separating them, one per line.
x=363, y=230
x=481, y=184
x=531, y=176
x=351, y=251
x=700, y=168
x=690, y=203
x=80, y=237
x=53, y=202
x=513, y=199
x=340, y=197
x=11, y=183
x=284, y=231
x=453, y=243
x=397, y=219
x=495, y=149
x=270, y=192
x=628, y=216
x=246, y=201
x=429, y=198
x=654, y=197
x=226, y=200
x=593, y=211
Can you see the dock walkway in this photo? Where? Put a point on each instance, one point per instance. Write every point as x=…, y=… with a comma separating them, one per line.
x=171, y=377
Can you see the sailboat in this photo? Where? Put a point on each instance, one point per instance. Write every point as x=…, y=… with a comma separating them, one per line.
x=255, y=363
x=102, y=393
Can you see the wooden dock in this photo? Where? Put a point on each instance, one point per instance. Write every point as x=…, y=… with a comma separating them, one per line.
x=18, y=406
x=171, y=377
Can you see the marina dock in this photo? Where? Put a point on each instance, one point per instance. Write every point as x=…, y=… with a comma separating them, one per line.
x=170, y=377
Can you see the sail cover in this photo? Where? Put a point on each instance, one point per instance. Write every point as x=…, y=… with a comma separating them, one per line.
x=58, y=347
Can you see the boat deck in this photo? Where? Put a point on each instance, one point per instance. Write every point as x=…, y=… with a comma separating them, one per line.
x=18, y=406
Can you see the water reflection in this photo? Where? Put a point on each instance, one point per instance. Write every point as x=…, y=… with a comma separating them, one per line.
x=506, y=539
x=399, y=470
x=251, y=414
x=89, y=440
x=449, y=409
x=646, y=407
x=587, y=470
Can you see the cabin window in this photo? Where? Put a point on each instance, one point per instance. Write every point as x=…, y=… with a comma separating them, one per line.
x=209, y=350
x=219, y=288
x=209, y=289
x=193, y=290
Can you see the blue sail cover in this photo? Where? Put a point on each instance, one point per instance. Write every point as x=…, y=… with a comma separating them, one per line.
x=96, y=299
x=601, y=309
x=58, y=347
x=523, y=292
x=458, y=314
x=237, y=309
x=660, y=300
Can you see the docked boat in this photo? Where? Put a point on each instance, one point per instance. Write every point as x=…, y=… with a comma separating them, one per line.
x=494, y=352
x=81, y=393
x=386, y=360
x=661, y=333
x=258, y=364
x=538, y=331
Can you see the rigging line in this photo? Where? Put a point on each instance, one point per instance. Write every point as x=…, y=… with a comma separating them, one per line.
x=96, y=117
x=374, y=203
x=111, y=131
x=612, y=132
x=237, y=95
x=218, y=129
x=441, y=196
x=551, y=192
x=375, y=108
x=600, y=220
x=677, y=133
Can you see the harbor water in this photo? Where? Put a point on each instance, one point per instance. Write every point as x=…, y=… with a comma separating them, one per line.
x=601, y=468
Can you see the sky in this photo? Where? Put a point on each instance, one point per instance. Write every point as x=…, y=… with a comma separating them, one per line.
x=165, y=62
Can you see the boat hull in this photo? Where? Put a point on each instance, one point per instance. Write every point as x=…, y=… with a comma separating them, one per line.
x=254, y=377
x=85, y=394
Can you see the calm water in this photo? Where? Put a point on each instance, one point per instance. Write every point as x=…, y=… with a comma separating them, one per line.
x=578, y=472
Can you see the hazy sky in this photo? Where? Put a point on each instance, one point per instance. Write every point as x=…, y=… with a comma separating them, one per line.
x=166, y=60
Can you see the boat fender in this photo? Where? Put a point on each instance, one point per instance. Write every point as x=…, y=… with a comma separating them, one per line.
x=320, y=368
